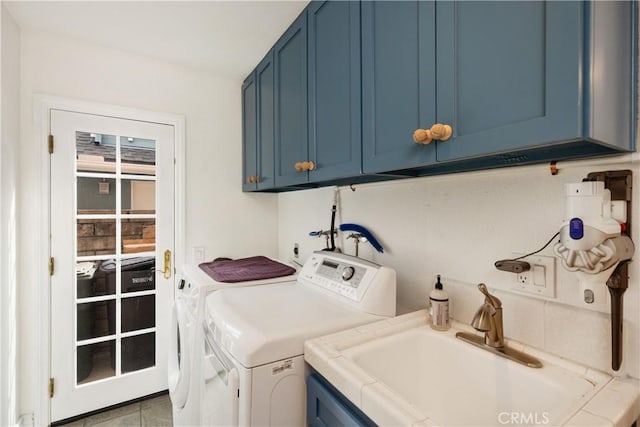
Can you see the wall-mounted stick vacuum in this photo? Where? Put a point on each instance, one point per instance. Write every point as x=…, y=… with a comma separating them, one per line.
x=595, y=243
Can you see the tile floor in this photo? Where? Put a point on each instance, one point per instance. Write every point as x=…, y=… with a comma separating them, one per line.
x=154, y=412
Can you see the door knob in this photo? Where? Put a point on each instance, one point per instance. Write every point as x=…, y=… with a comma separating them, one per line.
x=166, y=271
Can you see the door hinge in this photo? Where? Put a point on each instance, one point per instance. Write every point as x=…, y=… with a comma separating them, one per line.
x=52, y=266
x=51, y=387
x=50, y=144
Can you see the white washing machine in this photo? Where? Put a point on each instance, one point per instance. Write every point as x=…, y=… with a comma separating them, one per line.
x=186, y=375
x=255, y=336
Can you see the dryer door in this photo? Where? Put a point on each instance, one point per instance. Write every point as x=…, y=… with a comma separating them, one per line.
x=179, y=357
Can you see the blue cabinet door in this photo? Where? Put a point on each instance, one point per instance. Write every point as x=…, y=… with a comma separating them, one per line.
x=249, y=135
x=398, y=83
x=507, y=75
x=265, y=123
x=334, y=89
x=327, y=407
x=290, y=61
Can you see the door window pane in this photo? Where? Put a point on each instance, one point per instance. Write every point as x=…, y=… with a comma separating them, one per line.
x=96, y=319
x=138, y=235
x=95, y=152
x=138, y=274
x=138, y=196
x=138, y=156
x=138, y=352
x=138, y=313
x=96, y=196
x=96, y=361
x=96, y=237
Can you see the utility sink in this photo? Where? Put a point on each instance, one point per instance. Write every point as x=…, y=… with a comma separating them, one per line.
x=453, y=383
x=405, y=373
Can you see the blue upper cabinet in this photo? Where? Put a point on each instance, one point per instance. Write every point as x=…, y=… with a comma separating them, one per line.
x=351, y=86
x=334, y=89
x=249, y=133
x=290, y=60
x=258, y=127
x=518, y=82
x=507, y=75
x=265, y=128
x=398, y=83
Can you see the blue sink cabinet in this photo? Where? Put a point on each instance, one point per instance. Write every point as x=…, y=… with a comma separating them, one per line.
x=518, y=82
x=257, y=127
x=327, y=407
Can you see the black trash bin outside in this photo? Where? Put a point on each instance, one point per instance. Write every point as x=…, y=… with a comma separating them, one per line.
x=138, y=312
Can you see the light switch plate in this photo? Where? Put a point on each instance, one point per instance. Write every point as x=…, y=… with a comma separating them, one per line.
x=540, y=279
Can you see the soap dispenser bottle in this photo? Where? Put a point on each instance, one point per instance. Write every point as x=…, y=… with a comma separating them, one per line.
x=439, y=307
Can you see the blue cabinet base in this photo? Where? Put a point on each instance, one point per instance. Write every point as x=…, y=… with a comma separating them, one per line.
x=326, y=407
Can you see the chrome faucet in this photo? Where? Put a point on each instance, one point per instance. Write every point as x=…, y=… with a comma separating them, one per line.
x=488, y=319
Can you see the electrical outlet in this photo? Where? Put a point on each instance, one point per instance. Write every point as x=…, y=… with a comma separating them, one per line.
x=523, y=278
x=540, y=279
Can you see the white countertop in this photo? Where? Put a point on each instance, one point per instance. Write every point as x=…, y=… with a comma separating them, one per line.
x=616, y=403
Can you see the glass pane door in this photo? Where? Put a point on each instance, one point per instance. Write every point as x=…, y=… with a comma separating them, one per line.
x=115, y=296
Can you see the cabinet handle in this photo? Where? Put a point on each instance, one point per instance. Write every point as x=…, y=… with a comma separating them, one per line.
x=256, y=179
x=436, y=132
x=441, y=132
x=422, y=136
x=304, y=166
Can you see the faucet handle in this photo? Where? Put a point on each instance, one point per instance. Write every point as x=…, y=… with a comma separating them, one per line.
x=490, y=299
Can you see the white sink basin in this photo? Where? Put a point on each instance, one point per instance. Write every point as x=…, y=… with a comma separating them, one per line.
x=400, y=372
x=453, y=383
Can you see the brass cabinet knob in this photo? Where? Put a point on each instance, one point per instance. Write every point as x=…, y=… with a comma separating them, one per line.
x=253, y=179
x=310, y=166
x=422, y=136
x=441, y=132
x=298, y=166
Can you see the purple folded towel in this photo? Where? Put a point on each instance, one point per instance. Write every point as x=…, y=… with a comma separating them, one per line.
x=245, y=269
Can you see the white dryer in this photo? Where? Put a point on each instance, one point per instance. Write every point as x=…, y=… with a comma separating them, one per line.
x=187, y=345
x=255, y=336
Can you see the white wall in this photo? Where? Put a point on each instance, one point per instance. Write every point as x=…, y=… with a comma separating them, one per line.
x=10, y=95
x=218, y=215
x=458, y=226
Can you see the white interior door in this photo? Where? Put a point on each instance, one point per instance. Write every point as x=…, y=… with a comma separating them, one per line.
x=112, y=241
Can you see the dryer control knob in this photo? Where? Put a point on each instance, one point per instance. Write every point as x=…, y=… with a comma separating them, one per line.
x=348, y=273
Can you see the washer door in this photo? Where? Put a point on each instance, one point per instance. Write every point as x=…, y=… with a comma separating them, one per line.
x=179, y=357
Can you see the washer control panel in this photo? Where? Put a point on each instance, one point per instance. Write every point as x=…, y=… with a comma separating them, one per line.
x=341, y=274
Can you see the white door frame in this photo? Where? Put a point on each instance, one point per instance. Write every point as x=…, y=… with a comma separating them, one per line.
x=43, y=104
